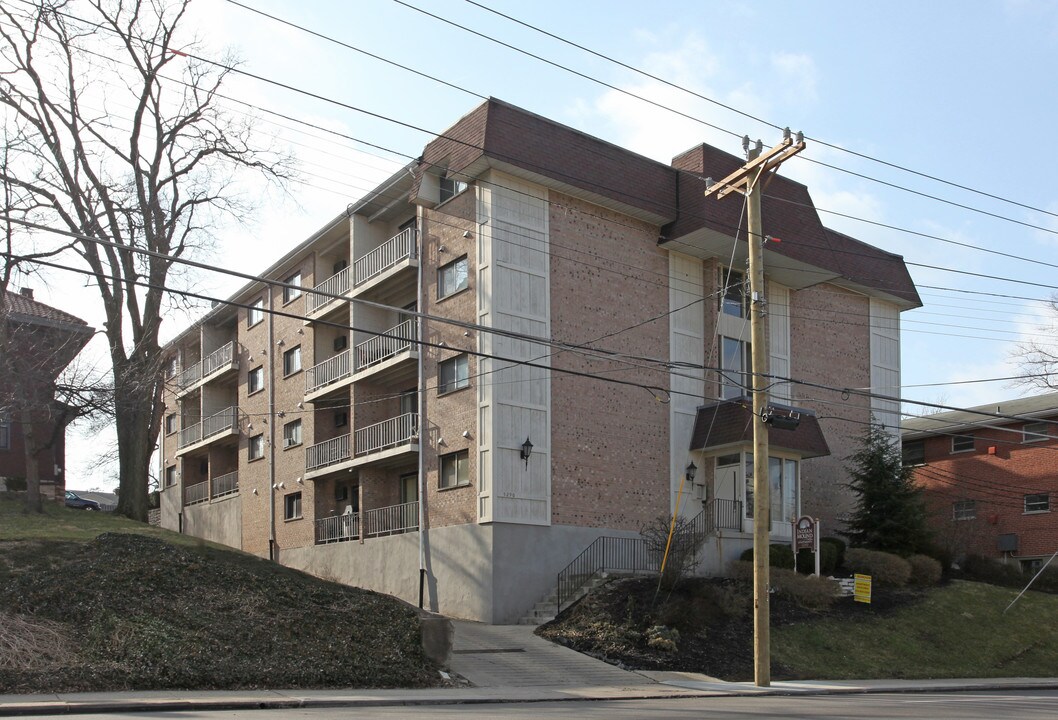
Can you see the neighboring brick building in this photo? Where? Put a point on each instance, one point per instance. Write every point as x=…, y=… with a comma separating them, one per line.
x=41, y=342
x=306, y=425
x=990, y=482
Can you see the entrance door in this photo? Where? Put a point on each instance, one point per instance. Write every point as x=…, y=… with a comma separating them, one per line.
x=728, y=487
x=409, y=488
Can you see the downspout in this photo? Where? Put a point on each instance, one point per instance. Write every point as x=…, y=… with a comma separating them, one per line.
x=271, y=429
x=420, y=326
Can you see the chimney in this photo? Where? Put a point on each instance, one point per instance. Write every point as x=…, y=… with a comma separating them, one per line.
x=26, y=292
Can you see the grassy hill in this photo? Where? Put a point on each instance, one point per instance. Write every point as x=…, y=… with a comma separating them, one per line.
x=90, y=601
x=958, y=629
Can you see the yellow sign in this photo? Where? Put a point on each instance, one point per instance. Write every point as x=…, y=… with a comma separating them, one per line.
x=862, y=588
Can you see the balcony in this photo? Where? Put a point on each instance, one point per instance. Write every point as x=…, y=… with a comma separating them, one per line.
x=214, y=427
x=224, y=485
x=385, y=357
x=387, y=441
x=197, y=493
x=327, y=373
x=208, y=368
x=378, y=522
x=337, y=284
x=375, y=353
x=385, y=264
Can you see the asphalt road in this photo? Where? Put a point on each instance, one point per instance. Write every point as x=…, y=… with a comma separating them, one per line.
x=1008, y=705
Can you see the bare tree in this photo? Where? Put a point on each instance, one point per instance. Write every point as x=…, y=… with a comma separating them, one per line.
x=118, y=141
x=1038, y=359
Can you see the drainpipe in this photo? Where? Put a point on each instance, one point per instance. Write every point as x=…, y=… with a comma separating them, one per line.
x=270, y=359
x=420, y=326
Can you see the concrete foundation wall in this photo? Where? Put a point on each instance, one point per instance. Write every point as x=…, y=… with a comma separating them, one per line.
x=219, y=521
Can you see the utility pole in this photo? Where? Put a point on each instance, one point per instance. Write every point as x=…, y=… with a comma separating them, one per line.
x=759, y=166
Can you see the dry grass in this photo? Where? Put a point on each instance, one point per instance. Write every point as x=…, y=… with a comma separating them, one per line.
x=28, y=643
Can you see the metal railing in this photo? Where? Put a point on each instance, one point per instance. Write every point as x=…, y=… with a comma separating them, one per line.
x=199, y=492
x=391, y=520
x=399, y=247
x=226, y=484
x=337, y=284
x=329, y=371
x=328, y=452
x=606, y=554
x=386, y=434
x=223, y=421
x=338, y=528
x=383, y=347
x=726, y=514
x=217, y=360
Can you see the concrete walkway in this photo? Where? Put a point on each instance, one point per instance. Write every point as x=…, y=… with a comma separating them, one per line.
x=505, y=664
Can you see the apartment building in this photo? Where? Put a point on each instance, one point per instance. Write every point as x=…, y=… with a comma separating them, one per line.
x=989, y=480
x=514, y=346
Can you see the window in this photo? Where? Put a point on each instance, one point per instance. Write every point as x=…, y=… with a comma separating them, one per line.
x=292, y=506
x=452, y=374
x=255, y=313
x=1036, y=432
x=254, y=380
x=733, y=297
x=964, y=510
x=170, y=476
x=170, y=367
x=914, y=452
x=452, y=278
x=450, y=187
x=170, y=424
x=962, y=443
x=292, y=360
x=255, y=447
x=292, y=434
x=409, y=401
x=292, y=293
x=734, y=365
x=455, y=469
x=1038, y=502
x=341, y=418
x=5, y=431
x=782, y=475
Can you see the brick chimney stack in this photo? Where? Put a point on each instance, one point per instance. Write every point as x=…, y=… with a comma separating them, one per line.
x=27, y=292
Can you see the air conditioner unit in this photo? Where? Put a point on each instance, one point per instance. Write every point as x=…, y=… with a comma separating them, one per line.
x=341, y=343
x=341, y=419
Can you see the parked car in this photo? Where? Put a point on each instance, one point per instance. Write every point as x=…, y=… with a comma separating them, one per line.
x=79, y=503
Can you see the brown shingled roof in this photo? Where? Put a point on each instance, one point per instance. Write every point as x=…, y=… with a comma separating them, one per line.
x=730, y=422
x=22, y=307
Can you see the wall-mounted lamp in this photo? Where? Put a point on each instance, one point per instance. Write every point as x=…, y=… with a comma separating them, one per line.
x=300, y=405
x=300, y=481
x=275, y=487
x=255, y=491
x=466, y=233
x=691, y=471
x=466, y=434
x=527, y=450
x=441, y=249
x=441, y=441
x=282, y=486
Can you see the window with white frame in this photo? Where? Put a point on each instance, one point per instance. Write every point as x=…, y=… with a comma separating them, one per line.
x=171, y=364
x=170, y=476
x=452, y=278
x=292, y=506
x=732, y=297
x=962, y=443
x=255, y=313
x=292, y=293
x=1036, y=432
x=292, y=434
x=292, y=360
x=964, y=510
x=170, y=423
x=734, y=368
x=255, y=380
x=1037, y=502
x=255, y=447
x=452, y=374
x=455, y=469
x=450, y=187
x=782, y=476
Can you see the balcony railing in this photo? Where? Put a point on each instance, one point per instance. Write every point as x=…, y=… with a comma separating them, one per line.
x=328, y=452
x=399, y=247
x=381, y=348
x=216, y=360
x=327, y=372
x=199, y=492
x=386, y=434
x=338, y=528
x=337, y=284
x=226, y=484
x=392, y=519
x=225, y=420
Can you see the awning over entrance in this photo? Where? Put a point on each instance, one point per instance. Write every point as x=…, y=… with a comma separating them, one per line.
x=729, y=423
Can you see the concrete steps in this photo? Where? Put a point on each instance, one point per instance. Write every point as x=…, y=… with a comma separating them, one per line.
x=544, y=611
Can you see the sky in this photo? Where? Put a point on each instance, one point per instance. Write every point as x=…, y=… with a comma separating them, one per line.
x=958, y=91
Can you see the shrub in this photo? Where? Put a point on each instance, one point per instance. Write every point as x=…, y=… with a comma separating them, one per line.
x=1047, y=581
x=682, y=547
x=662, y=638
x=839, y=549
x=924, y=570
x=992, y=571
x=811, y=593
x=780, y=556
x=884, y=568
x=828, y=560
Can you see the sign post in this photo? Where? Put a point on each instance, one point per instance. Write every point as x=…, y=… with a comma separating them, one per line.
x=806, y=537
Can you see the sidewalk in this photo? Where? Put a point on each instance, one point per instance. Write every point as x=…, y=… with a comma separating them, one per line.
x=503, y=664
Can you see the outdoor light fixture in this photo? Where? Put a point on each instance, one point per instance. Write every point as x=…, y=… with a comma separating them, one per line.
x=691, y=471
x=527, y=450
x=780, y=422
x=466, y=233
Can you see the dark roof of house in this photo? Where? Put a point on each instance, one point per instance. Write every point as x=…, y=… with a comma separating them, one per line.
x=730, y=422
x=25, y=308
x=1029, y=408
